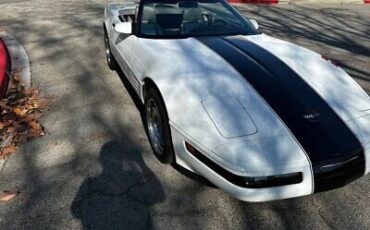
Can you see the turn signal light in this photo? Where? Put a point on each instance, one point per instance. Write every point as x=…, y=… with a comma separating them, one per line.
x=190, y=148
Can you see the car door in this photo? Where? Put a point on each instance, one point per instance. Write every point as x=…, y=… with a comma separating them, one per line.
x=126, y=52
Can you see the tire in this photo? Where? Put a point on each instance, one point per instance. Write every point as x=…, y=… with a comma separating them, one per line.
x=112, y=63
x=162, y=145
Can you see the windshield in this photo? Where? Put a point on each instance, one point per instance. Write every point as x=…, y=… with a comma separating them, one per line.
x=167, y=19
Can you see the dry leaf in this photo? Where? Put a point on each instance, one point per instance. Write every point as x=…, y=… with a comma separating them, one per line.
x=37, y=133
x=7, y=123
x=19, y=114
x=10, y=129
x=30, y=106
x=34, y=91
x=20, y=111
x=16, y=77
x=9, y=195
x=4, y=106
x=35, y=126
x=8, y=150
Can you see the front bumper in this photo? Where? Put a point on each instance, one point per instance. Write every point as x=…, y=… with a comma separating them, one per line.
x=326, y=177
x=304, y=188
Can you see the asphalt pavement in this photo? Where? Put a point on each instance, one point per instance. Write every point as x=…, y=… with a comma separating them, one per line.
x=12, y=1
x=95, y=170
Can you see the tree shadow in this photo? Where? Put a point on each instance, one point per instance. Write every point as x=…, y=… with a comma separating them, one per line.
x=121, y=196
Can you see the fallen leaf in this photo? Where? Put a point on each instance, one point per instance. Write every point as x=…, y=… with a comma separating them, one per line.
x=29, y=106
x=10, y=130
x=38, y=133
x=7, y=123
x=20, y=111
x=9, y=195
x=16, y=77
x=34, y=91
x=4, y=137
x=35, y=126
x=32, y=117
x=39, y=104
x=5, y=106
x=8, y=150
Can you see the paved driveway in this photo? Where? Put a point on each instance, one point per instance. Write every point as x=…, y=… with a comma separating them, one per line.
x=95, y=169
x=12, y=1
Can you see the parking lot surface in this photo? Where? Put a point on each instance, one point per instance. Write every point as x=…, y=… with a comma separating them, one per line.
x=95, y=169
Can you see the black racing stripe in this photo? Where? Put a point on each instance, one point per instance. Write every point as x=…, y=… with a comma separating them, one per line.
x=325, y=138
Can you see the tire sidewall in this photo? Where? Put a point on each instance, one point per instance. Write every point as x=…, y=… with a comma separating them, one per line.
x=112, y=63
x=167, y=157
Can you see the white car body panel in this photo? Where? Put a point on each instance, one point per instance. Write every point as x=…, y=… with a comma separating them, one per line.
x=194, y=81
x=224, y=111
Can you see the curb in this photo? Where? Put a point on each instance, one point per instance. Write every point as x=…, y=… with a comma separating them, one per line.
x=19, y=60
x=19, y=64
x=298, y=2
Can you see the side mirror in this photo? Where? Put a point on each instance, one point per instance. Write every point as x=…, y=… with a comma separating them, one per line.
x=123, y=27
x=254, y=23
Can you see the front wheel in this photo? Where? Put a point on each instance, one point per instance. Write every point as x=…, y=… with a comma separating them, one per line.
x=112, y=64
x=157, y=127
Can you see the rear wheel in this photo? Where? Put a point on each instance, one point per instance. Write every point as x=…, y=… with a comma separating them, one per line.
x=157, y=127
x=108, y=53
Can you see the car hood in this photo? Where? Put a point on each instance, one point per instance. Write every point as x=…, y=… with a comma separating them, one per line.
x=333, y=84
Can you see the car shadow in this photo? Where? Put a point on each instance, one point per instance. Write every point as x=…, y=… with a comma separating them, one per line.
x=121, y=196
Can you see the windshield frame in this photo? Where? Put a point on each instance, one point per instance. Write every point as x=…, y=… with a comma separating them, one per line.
x=223, y=2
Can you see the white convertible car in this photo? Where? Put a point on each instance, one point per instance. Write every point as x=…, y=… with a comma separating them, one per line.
x=259, y=117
